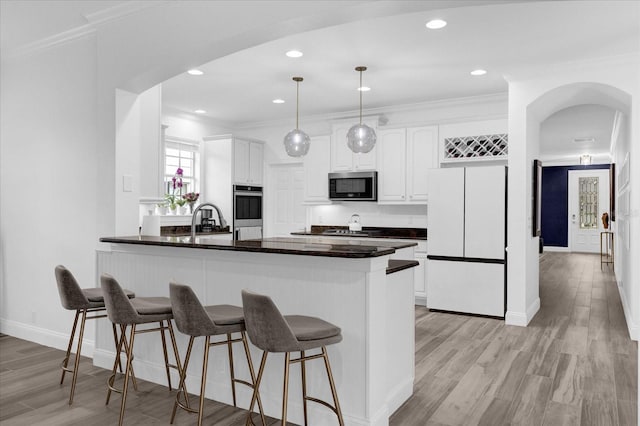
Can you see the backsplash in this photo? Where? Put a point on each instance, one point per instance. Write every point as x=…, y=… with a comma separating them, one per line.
x=371, y=214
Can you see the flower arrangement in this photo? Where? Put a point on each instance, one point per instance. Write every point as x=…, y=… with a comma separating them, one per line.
x=174, y=198
x=191, y=197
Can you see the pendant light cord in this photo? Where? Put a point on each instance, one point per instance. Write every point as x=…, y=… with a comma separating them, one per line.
x=360, y=90
x=297, y=100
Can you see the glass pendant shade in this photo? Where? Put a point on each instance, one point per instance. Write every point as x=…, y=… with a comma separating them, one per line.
x=297, y=142
x=360, y=137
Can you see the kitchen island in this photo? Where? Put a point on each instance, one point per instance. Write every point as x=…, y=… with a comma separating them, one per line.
x=350, y=283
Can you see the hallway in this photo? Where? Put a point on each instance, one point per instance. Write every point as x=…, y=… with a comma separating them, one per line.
x=573, y=365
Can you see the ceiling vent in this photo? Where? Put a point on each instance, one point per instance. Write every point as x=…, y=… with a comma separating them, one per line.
x=584, y=140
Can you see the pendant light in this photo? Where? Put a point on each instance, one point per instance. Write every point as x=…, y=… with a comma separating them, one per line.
x=297, y=142
x=360, y=137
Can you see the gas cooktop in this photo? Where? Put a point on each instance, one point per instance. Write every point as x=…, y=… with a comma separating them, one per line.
x=346, y=232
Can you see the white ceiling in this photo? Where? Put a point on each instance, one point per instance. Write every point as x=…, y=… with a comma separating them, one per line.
x=557, y=133
x=407, y=63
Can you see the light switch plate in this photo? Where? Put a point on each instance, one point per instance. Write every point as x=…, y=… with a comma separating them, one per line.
x=127, y=183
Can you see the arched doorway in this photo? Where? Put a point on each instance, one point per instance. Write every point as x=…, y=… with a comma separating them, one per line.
x=530, y=104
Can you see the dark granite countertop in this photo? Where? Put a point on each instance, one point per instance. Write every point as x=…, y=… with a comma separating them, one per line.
x=397, y=265
x=328, y=247
x=369, y=232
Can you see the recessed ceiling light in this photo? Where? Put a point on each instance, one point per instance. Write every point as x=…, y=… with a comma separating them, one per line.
x=478, y=72
x=195, y=72
x=200, y=111
x=364, y=89
x=278, y=101
x=436, y=24
x=294, y=53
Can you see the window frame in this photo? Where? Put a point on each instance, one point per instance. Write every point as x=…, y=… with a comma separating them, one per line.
x=182, y=145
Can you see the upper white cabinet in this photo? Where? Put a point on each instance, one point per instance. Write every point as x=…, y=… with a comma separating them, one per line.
x=316, y=170
x=248, y=161
x=342, y=158
x=404, y=156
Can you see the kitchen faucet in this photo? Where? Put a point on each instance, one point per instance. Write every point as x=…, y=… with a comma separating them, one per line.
x=223, y=223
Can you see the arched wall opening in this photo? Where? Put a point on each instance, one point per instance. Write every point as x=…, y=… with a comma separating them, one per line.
x=532, y=99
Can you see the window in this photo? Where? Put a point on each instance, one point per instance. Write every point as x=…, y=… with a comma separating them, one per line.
x=588, y=193
x=182, y=153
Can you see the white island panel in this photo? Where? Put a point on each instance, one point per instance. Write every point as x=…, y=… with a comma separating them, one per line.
x=372, y=366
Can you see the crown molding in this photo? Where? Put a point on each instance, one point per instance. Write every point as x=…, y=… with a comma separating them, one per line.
x=120, y=11
x=93, y=21
x=383, y=111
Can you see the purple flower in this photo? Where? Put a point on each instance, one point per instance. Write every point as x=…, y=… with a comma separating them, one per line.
x=179, y=171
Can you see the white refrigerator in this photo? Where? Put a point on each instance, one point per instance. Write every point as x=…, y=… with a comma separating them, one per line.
x=466, y=222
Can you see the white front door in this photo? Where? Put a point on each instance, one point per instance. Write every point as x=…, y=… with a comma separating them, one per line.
x=588, y=200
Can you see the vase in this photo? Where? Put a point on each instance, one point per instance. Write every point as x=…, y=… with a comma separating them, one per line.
x=173, y=209
x=183, y=210
x=192, y=206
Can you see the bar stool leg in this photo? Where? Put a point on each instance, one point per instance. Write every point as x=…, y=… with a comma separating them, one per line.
x=333, y=386
x=304, y=386
x=177, y=357
x=182, y=379
x=253, y=375
x=127, y=373
x=204, y=378
x=285, y=391
x=77, y=360
x=257, y=386
x=125, y=347
x=65, y=361
x=233, y=376
x=166, y=355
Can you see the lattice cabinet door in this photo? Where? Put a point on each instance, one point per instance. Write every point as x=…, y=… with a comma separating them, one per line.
x=464, y=148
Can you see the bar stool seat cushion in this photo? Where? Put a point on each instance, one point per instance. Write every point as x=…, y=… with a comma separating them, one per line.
x=152, y=305
x=225, y=314
x=311, y=328
x=95, y=294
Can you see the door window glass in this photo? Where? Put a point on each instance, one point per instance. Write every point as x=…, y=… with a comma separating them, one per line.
x=588, y=201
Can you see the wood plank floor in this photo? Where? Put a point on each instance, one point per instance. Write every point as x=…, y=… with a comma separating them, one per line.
x=573, y=365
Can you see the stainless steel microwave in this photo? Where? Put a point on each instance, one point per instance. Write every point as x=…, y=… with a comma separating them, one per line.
x=353, y=186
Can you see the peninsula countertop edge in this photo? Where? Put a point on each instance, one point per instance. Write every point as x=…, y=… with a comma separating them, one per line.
x=314, y=246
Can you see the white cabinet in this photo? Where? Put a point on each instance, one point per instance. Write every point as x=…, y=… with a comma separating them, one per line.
x=405, y=155
x=248, y=161
x=392, y=150
x=342, y=158
x=420, y=283
x=316, y=170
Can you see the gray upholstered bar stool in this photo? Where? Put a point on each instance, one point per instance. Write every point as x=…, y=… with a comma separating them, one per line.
x=196, y=320
x=270, y=331
x=131, y=313
x=84, y=301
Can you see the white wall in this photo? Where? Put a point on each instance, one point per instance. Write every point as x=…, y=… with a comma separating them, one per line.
x=630, y=294
x=48, y=157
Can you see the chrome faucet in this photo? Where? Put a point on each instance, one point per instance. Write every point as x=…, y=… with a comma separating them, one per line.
x=223, y=223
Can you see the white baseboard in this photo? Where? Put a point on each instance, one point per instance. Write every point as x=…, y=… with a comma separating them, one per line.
x=634, y=329
x=420, y=301
x=555, y=248
x=43, y=336
x=521, y=319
